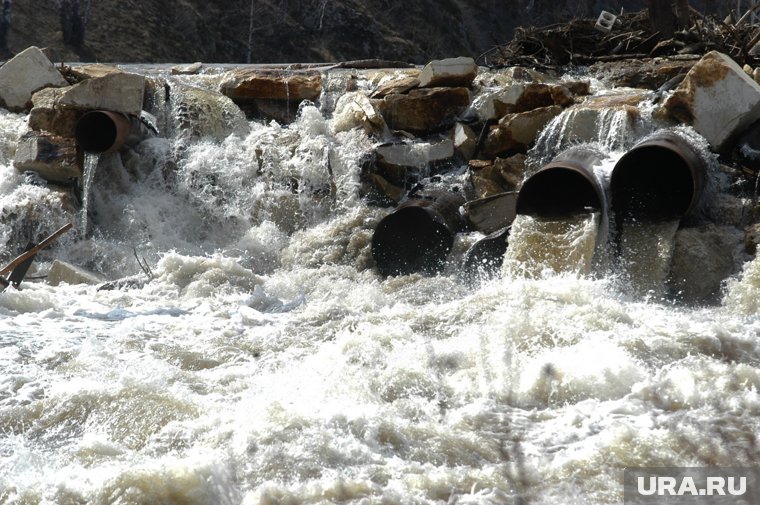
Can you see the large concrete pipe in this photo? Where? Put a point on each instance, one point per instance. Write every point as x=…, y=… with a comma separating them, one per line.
x=103, y=131
x=661, y=178
x=418, y=235
x=564, y=187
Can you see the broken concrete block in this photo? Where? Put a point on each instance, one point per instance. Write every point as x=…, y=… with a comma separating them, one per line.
x=62, y=272
x=717, y=98
x=116, y=92
x=452, y=72
x=495, y=104
x=25, y=73
x=491, y=213
x=402, y=163
x=53, y=158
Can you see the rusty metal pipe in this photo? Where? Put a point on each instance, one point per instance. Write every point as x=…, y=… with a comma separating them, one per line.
x=563, y=187
x=102, y=131
x=418, y=235
x=660, y=178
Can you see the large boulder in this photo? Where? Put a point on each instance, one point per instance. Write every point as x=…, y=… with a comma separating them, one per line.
x=92, y=71
x=355, y=110
x=53, y=158
x=512, y=169
x=454, y=72
x=269, y=94
x=424, y=110
x=613, y=119
x=717, y=98
x=117, y=92
x=206, y=113
x=402, y=163
x=25, y=73
x=47, y=115
x=483, y=180
x=515, y=132
x=521, y=97
x=395, y=84
x=702, y=259
x=271, y=85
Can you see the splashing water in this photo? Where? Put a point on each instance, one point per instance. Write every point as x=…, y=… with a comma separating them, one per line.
x=612, y=129
x=558, y=245
x=267, y=361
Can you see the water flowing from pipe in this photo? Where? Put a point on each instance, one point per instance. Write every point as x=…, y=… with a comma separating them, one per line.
x=560, y=245
x=646, y=250
x=267, y=361
x=88, y=176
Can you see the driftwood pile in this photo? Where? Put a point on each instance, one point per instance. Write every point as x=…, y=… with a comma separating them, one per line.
x=632, y=36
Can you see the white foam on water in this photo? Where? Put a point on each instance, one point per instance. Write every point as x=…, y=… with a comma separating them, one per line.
x=267, y=361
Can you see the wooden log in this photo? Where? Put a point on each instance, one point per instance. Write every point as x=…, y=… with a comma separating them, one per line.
x=34, y=250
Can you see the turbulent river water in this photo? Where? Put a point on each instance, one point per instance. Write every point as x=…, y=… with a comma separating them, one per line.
x=266, y=360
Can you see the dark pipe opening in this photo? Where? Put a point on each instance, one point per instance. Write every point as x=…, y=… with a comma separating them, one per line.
x=409, y=240
x=653, y=183
x=557, y=191
x=96, y=132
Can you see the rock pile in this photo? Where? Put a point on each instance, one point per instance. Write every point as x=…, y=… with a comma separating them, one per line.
x=449, y=117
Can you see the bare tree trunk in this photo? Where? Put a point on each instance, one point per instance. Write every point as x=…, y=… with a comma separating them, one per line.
x=74, y=20
x=250, y=34
x=661, y=17
x=5, y=26
x=684, y=14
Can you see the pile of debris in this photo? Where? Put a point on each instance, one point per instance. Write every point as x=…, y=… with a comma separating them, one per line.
x=625, y=36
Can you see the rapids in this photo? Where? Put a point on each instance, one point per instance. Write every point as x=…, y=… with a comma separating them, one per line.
x=264, y=360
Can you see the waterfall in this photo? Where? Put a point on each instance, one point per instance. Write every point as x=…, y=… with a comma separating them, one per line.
x=612, y=128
